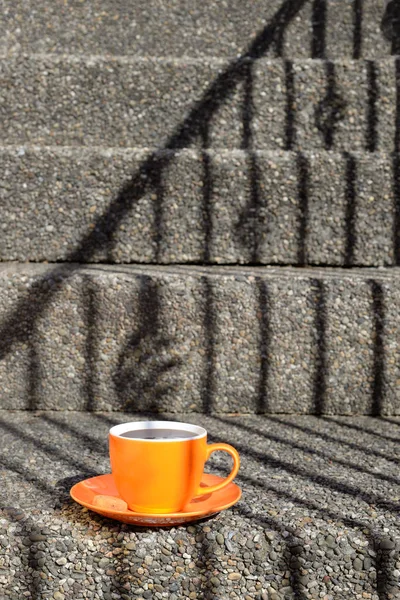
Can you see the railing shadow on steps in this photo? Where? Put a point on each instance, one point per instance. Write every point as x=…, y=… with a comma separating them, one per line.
x=383, y=562
x=14, y=329
x=249, y=227
x=149, y=177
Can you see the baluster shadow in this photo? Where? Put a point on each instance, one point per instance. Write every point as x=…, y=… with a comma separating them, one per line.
x=147, y=178
x=379, y=359
x=321, y=361
x=331, y=109
x=357, y=28
x=350, y=194
x=145, y=361
x=90, y=350
x=209, y=323
x=383, y=562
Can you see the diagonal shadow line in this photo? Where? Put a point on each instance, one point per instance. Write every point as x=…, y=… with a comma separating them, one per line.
x=393, y=421
x=349, y=522
x=51, y=450
x=91, y=442
x=341, y=487
x=290, y=542
x=27, y=475
x=314, y=452
x=373, y=536
x=301, y=501
x=362, y=429
x=147, y=174
x=59, y=495
x=35, y=584
x=331, y=438
x=146, y=415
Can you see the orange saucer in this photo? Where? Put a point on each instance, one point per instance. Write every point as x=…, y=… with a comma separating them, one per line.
x=100, y=495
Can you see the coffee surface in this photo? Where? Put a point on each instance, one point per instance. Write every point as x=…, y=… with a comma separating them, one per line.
x=158, y=434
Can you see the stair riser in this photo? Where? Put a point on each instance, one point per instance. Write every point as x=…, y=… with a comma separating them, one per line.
x=226, y=208
x=300, y=28
x=222, y=340
x=270, y=105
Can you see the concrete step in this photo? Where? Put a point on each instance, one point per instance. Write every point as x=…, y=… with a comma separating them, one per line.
x=226, y=207
x=197, y=339
x=293, y=28
x=263, y=104
x=318, y=517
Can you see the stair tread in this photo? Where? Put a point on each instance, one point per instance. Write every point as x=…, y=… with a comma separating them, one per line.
x=319, y=505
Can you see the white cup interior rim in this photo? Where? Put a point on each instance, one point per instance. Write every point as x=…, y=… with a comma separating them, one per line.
x=119, y=430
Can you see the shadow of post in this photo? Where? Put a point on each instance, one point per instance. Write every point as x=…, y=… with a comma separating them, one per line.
x=318, y=21
x=263, y=315
x=320, y=327
x=350, y=194
x=145, y=359
x=331, y=109
x=379, y=362
x=209, y=324
x=357, y=28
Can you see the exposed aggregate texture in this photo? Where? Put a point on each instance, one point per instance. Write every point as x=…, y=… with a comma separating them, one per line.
x=127, y=102
x=318, y=517
x=187, y=206
x=184, y=27
x=192, y=339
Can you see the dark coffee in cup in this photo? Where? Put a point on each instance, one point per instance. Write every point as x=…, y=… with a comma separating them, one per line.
x=158, y=434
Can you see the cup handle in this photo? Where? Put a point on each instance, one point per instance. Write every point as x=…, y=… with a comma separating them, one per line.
x=236, y=463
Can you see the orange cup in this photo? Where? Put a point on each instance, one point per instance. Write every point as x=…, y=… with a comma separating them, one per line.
x=157, y=465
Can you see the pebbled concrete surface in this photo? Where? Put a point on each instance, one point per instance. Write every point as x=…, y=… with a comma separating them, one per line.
x=213, y=340
x=318, y=517
x=221, y=207
x=266, y=104
x=196, y=28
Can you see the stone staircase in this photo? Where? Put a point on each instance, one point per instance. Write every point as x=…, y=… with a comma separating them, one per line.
x=200, y=217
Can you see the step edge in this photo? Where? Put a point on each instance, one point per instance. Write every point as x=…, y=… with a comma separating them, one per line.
x=21, y=149
x=77, y=58
x=64, y=269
